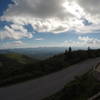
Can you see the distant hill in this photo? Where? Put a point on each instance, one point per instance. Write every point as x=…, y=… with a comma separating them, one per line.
x=38, y=53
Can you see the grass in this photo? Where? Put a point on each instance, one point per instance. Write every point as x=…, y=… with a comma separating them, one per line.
x=15, y=68
x=81, y=88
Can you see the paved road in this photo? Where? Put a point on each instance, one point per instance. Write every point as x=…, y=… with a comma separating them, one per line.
x=47, y=85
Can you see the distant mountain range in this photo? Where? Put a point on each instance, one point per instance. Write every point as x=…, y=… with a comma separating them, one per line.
x=37, y=53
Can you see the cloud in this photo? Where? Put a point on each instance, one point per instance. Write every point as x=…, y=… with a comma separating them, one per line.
x=17, y=42
x=86, y=22
x=55, y=16
x=13, y=44
x=90, y=6
x=83, y=41
x=43, y=15
x=94, y=28
x=39, y=39
x=36, y=8
x=89, y=40
x=15, y=32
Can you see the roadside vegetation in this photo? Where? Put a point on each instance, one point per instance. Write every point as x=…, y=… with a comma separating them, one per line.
x=16, y=68
x=81, y=88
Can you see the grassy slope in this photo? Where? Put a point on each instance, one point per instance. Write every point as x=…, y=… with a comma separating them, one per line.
x=18, y=68
x=13, y=68
x=81, y=88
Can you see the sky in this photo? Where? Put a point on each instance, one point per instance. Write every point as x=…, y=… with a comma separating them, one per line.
x=49, y=23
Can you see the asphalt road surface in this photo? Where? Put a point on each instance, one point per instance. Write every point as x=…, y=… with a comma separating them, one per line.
x=47, y=85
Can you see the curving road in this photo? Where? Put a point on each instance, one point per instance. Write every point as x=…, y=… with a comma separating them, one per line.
x=47, y=85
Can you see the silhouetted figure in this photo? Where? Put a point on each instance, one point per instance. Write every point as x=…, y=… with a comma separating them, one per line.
x=66, y=55
x=70, y=50
x=89, y=48
x=70, y=53
x=90, y=53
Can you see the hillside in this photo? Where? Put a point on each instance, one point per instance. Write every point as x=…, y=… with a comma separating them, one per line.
x=18, y=68
x=12, y=66
x=16, y=58
x=81, y=88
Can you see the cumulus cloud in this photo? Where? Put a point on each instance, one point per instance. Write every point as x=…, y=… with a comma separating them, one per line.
x=13, y=44
x=90, y=6
x=43, y=15
x=94, y=28
x=15, y=32
x=37, y=8
x=55, y=15
x=89, y=40
x=83, y=41
x=71, y=43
